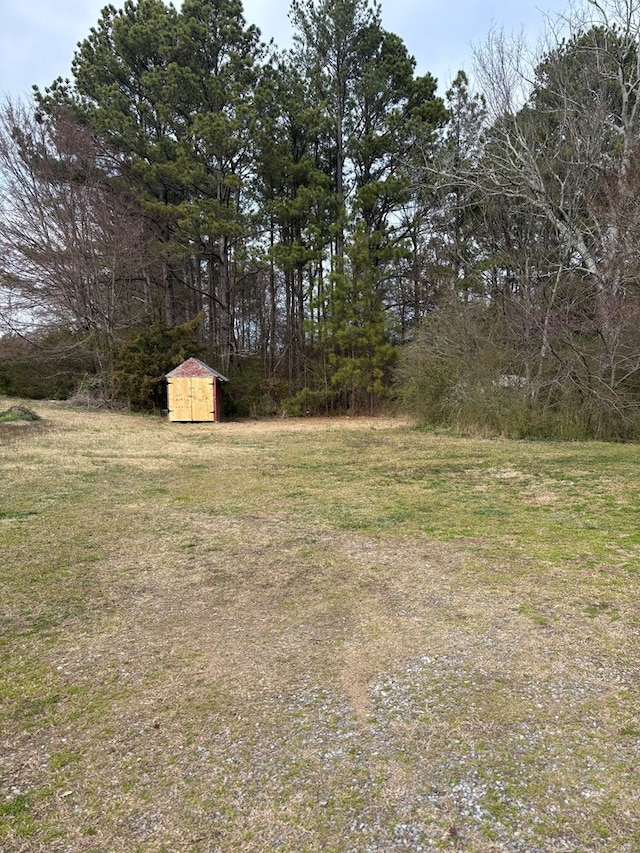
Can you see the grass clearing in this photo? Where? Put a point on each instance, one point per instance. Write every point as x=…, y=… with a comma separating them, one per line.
x=315, y=635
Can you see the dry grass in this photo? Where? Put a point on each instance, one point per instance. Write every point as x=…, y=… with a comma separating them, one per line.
x=315, y=635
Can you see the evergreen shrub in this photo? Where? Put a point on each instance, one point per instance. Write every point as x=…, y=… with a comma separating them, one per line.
x=147, y=356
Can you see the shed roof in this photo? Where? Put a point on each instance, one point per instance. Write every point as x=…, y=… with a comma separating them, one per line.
x=194, y=367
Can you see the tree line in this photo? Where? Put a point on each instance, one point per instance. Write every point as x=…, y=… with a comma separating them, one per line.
x=324, y=227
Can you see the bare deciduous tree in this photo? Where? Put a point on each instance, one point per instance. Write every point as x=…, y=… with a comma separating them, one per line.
x=72, y=240
x=558, y=180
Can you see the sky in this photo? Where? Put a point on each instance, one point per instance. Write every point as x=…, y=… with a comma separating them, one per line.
x=38, y=37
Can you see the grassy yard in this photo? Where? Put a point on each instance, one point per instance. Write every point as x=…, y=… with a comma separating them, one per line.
x=315, y=635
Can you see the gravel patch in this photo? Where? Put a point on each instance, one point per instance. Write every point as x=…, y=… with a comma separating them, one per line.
x=446, y=758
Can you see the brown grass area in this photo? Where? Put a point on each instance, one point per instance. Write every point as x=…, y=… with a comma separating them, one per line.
x=314, y=635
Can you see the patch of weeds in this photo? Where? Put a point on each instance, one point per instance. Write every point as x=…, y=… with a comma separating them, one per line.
x=156, y=491
x=39, y=705
x=16, y=816
x=599, y=607
x=602, y=830
x=8, y=513
x=52, y=835
x=487, y=831
x=88, y=476
x=16, y=807
x=62, y=758
x=531, y=613
x=351, y=520
x=50, y=618
x=393, y=518
x=93, y=706
x=18, y=413
x=496, y=803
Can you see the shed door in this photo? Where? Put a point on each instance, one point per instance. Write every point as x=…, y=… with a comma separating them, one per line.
x=179, y=399
x=191, y=399
x=202, y=399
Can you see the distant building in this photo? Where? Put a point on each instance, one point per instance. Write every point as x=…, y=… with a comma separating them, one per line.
x=194, y=392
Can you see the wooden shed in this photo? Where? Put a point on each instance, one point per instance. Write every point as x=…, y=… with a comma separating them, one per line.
x=194, y=392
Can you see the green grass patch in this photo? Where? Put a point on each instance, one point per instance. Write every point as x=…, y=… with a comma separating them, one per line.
x=17, y=806
x=17, y=818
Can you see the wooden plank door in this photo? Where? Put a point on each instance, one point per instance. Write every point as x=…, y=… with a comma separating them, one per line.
x=202, y=408
x=179, y=399
x=191, y=399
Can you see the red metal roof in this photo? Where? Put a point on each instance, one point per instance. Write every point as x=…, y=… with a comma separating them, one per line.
x=194, y=367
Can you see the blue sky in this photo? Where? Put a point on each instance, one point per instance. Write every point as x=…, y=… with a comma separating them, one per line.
x=38, y=37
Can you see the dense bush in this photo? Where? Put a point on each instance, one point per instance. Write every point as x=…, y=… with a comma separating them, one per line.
x=249, y=393
x=47, y=366
x=143, y=361
x=460, y=371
